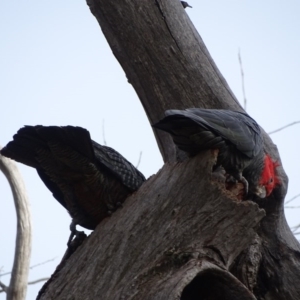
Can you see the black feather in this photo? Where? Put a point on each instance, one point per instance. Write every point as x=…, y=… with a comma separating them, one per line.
x=235, y=134
x=88, y=179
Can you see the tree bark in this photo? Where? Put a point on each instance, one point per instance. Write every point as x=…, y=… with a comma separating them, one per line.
x=182, y=235
x=19, y=276
x=161, y=239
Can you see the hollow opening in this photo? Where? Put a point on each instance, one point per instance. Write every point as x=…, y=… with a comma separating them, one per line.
x=215, y=285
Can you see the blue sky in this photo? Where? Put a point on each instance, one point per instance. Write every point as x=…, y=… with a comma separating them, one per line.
x=57, y=69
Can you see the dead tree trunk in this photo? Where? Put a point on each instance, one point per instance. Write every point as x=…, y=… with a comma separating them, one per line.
x=181, y=236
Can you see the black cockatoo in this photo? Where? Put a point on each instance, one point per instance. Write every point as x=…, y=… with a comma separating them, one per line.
x=237, y=137
x=88, y=179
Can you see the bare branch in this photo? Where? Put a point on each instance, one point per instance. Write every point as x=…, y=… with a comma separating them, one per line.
x=4, y=274
x=18, y=282
x=243, y=80
x=294, y=228
x=139, y=161
x=292, y=207
x=281, y=128
x=103, y=133
x=32, y=267
x=42, y=263
x=39, y=280
x=4, y=287
x=292, y=199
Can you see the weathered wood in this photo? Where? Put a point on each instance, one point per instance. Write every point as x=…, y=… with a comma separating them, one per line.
x=161, y=239
x=164, y=58
x=214, y=283
x=19, y=276
x=138, y=253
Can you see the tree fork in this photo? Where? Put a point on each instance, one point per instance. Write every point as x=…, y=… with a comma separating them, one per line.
x=178, y=222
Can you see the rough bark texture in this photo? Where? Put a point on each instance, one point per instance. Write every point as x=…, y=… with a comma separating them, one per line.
x=164, y=59
x=161, y=239
x=180, y=235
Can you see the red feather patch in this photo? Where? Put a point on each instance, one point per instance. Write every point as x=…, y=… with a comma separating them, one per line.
x=268, y=177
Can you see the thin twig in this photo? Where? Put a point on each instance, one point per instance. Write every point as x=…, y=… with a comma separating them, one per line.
x=243, y=81
x=139, y=161
x=4, y=287
x=292, y=207
x=292, y=199
x=4, y=274
x=42, y=263
x=103, y=133
x=281, y=128
x=294, y=228
x=32, y=267
x=39, y=280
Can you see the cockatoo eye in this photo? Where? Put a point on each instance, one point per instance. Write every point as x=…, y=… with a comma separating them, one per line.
x=270, y=180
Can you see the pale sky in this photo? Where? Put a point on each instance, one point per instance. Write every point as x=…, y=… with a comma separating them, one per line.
x=56, y=68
